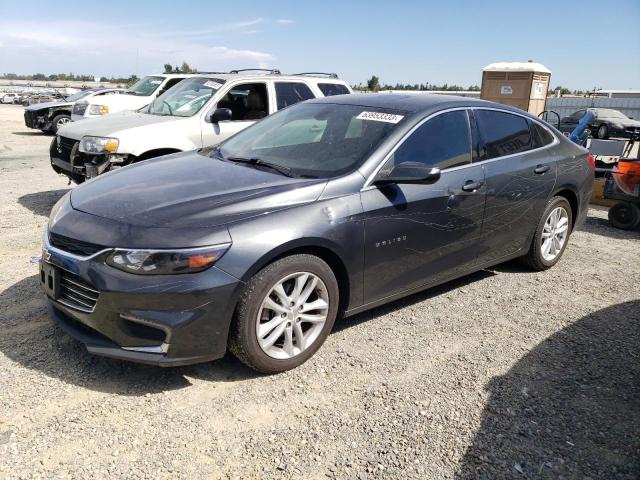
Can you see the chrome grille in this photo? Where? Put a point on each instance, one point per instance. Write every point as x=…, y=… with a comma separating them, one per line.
x=77, y=247
x=76, y=293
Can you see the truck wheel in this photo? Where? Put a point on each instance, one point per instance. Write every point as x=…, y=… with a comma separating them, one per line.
x=59, y=121
x=603, y=132
x=624, y=215
x=285, y=314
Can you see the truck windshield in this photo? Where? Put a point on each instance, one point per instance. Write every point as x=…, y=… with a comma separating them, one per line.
x=145, y=86
x=312, y=140
x=186, y=98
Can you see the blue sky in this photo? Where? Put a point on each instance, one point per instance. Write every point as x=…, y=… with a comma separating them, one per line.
x=585, y=43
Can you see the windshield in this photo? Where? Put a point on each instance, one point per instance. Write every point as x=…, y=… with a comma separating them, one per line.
x=608, y=113
x=186, y=98
x=77, y=96
x=317, y=140
x=145, y=86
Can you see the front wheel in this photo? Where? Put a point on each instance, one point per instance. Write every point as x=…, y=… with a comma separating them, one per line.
x=59, y=121
x=285, y=314
x=551, y=236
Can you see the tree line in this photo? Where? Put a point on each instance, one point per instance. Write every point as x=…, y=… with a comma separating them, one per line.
x=374, y=85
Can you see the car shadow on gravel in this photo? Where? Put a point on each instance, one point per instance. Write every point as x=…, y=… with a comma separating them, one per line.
x=41, y=203
x=422, y=296
x=33, y=134
x=570, y=408
x=601, y=226
x=31, y=339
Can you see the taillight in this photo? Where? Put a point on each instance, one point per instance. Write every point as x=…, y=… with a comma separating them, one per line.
x=592, y=161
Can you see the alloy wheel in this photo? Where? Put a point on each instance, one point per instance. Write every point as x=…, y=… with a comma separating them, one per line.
x=63, y=121
x=554, y=233
x=292, y=315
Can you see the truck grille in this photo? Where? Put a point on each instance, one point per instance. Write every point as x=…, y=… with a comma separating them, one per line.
x=77, y=247
x=76, y=293
x=31, y=118
x=80, y=108
x=65, y=148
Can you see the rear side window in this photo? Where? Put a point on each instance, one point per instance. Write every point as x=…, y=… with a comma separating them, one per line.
x=541, y=135
x=441, y=142
x=288, y=93
x=330, y=89
x=502, y=133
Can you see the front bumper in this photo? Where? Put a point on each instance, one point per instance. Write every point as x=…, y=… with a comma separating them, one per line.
x=68, y=160
x=161, y=320
x=36, y=119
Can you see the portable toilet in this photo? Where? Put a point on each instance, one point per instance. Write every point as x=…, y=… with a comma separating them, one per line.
x=520, y=84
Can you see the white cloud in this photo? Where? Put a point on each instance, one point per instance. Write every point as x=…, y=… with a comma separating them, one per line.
x=90, y=47
x=285, y=21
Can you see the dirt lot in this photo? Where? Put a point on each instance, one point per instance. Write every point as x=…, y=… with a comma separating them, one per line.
x=503, y=374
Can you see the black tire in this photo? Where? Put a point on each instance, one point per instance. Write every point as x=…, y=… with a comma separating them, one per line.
x=534, y=259
x=58, y=121
x=243, y=341
x=603, y=132
x=624, y=215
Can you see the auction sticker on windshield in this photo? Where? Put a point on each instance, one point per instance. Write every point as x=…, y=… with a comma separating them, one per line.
x=380, y=117
x=212, y=84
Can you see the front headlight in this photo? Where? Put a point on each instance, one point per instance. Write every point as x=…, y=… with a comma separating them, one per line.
x=166, y=262
x=98, y=145
x=98, y=109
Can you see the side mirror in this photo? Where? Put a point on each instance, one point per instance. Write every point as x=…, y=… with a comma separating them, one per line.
x=408, y=172
x=220, y=115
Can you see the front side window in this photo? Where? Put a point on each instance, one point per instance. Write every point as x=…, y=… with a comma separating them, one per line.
x=289, y=93
x=145, y=86
x=186, y=98
x=502, y=133
x=313, y=140
x=441, y=142
x=330, y=89
x=247, y=101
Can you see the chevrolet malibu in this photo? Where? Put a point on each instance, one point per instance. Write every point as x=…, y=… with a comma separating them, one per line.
x=325, y=209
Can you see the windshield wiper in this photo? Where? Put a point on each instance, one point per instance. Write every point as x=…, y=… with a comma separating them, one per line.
x=286, y=171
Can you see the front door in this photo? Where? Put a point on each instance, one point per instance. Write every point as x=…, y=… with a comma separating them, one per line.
x=248, y=102
x=417, y=235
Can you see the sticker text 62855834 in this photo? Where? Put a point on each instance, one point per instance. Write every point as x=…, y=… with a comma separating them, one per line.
x=380, y=117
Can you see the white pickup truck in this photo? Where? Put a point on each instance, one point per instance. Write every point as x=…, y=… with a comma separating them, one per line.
x=198, y=112
x=138, y=95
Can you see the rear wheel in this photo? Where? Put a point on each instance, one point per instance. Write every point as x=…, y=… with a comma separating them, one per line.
x=285, y=314
x=59, y=121
x=551, y=236
x=624, y=215
x=603, y=132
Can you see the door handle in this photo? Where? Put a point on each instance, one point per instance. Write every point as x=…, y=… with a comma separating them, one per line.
x=541, y=169
x=471, y=186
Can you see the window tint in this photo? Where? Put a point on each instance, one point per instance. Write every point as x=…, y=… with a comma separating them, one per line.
x=503, y=133
x=541, y=136
x=247, y=101
x=441, y=142
x=330, y=89
x=288, y=93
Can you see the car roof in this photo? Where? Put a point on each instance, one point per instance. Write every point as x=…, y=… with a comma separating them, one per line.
x=411, y=103
x=269, y=76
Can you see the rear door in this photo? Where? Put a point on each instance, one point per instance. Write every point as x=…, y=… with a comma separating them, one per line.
x=419, y=234
x=520, y=173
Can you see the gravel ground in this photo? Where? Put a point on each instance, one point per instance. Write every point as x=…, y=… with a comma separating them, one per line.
x=503, y=374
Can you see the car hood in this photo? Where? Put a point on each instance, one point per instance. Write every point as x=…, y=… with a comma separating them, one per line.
x=190, y=190
x=110, y=125
x=42, y=106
